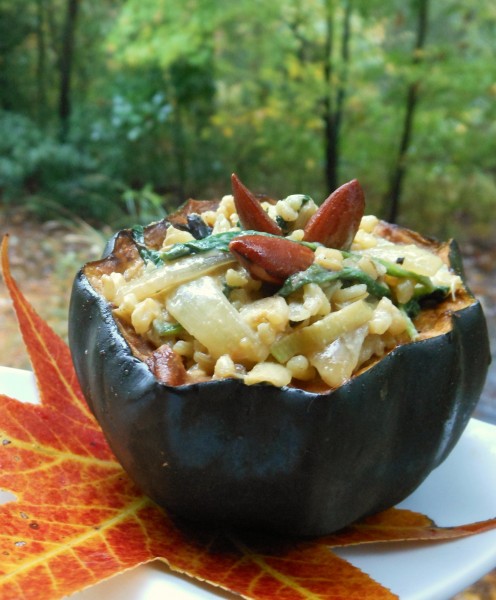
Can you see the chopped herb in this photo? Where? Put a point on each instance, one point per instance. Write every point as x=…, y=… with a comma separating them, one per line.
x=411, y=308
x=284, y=225
x=432, y=298
x=410, y=327
x=138, y=232
x=167, y=329
x=227, y=289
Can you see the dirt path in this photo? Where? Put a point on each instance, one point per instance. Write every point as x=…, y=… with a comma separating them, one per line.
x=44, y=259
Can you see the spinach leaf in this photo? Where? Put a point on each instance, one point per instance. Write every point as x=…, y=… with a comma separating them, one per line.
x=426, y=290
x=317, y=274
x=396, y=270
x=138, y=233
x=218, y=241
x=284, y=225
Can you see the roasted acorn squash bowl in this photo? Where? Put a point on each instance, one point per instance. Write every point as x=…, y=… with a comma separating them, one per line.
x=299, y=457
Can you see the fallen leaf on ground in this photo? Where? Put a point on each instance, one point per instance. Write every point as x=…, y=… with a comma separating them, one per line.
x=77, y=518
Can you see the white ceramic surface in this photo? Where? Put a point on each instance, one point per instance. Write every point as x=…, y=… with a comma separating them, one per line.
x=461, y=490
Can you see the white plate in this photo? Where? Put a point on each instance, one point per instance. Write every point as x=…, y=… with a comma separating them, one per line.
x=462, y=490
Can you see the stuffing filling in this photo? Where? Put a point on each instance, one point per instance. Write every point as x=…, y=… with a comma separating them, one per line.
x=322, y=325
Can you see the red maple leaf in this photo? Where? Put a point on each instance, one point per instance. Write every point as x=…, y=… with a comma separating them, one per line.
x=78, y=519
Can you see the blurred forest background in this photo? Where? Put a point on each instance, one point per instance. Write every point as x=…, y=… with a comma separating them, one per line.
x=116, y=111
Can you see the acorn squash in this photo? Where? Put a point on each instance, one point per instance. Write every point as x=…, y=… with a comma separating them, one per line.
x=298, y=459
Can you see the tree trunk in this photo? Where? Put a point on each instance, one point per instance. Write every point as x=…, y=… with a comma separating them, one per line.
x=330, y=141
x=41, y=97
x=179, y=152
x=66, y=67
x=392, y=202
x=334, y=100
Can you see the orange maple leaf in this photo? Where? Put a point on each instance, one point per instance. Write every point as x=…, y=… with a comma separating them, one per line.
x=78, y=519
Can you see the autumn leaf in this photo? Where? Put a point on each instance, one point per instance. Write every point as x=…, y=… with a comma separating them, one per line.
x=78, y=519
x=399, y=525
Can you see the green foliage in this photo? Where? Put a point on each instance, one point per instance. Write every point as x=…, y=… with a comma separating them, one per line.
x=15, y=26
x=142, y=206
x=46, y=175
x=170, y=97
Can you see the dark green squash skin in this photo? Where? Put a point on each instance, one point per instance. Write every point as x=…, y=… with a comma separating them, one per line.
x=280, y=459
